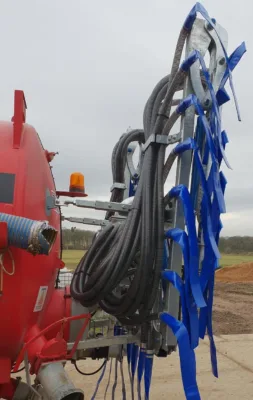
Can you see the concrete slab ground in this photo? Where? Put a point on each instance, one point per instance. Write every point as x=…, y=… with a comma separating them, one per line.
x=235, y=382
x=235, y=362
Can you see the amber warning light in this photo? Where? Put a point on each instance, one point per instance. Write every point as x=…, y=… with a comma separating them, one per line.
x=76, y=182
x=76, y=186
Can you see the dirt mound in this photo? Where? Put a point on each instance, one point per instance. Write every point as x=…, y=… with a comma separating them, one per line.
x=236, y=273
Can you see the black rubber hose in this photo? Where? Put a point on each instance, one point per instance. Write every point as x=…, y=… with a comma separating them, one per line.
x=119, y=163
x=111, y=259
x=88, y=373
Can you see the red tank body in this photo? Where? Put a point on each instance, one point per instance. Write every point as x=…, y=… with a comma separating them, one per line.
x=37, y=319
x=26, y=185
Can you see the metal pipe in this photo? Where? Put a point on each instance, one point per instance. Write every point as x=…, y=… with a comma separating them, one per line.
x=57, y=384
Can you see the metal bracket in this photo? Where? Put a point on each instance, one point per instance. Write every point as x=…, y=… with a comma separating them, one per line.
x=100, y=205
x=171, y=302
x=86, y=221
x=104, y=342
x=162, y=139
x=218, y=64
x=134, y=172
x=50, y=202
x=204, y=39
x=117, y=218
x=118, y=185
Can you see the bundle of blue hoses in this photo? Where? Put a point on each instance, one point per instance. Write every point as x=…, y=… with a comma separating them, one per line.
x=196, y=291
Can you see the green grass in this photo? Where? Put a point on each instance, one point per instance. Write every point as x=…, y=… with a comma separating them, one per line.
x=232, y=259
x=72, y=258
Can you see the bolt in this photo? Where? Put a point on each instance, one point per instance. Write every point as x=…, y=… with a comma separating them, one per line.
x=222, y=61
x=109, y=206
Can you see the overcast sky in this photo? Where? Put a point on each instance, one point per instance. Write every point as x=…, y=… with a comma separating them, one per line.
x=87, y=69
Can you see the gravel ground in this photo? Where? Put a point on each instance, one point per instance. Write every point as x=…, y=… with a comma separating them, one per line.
x=233, y=308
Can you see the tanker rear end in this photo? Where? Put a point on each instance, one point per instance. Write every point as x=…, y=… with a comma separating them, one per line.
x=26, y=190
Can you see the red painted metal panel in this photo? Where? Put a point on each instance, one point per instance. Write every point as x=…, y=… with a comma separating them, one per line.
x=22, y=154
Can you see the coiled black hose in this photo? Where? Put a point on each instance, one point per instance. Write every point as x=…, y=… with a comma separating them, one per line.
x=134, y=249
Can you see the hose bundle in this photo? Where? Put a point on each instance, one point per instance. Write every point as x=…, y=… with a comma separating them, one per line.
x=122, y=270
x=133, y=250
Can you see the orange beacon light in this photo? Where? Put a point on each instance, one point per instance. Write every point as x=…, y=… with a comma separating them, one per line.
x=76, y=183
x=76, y=186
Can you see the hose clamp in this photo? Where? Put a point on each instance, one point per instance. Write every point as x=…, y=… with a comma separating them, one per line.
x=161, y=139
x=118, y=185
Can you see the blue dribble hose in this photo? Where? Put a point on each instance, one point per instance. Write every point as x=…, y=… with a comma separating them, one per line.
x=117, y=331
x=187, y=356
x=129, y=355
x=121, y=331
x=148, y=372
x=37, y=237
x=99, y=381
x=181, y=192
x=123, y=379
x=109, y=380
x=134, y=359
x=140, y=368
x=115, y=379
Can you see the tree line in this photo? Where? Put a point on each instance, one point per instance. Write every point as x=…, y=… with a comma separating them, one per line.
x=78, y=239
x=236, y=245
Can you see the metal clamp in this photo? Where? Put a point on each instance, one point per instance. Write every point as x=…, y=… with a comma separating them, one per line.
x=162, y=139
x=118, y=185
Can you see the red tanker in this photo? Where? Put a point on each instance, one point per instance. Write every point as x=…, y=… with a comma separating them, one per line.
x=29, y=302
